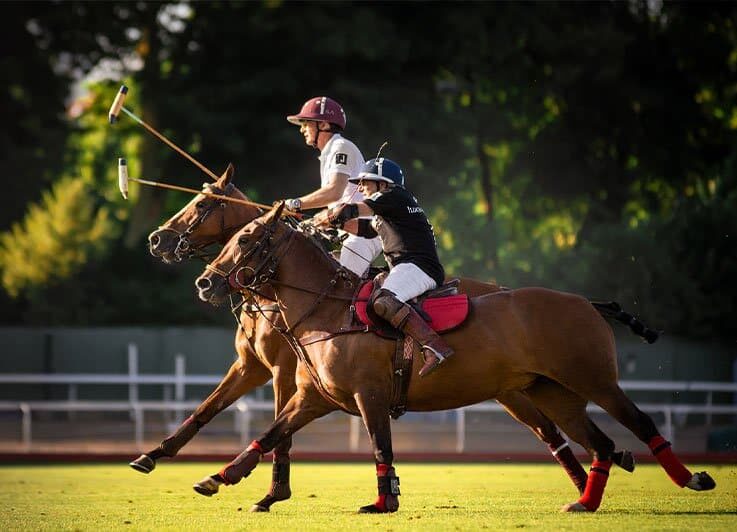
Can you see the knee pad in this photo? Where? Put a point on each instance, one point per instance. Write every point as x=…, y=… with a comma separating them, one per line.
x=388, y=307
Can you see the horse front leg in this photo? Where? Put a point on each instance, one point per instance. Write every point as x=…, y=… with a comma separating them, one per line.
x=241, y=378
x=304, y=406
x=375, y=413
x=284, y=389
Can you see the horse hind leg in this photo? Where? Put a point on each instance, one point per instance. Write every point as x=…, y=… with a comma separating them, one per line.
x=568, y=411
x=621, y=408
x=523, y=410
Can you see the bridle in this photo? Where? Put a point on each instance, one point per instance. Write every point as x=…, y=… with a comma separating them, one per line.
x=184, y=248
x=270, y=252
x=266, y=249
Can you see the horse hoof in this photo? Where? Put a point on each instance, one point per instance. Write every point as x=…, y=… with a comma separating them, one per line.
x=371, y=509
x=625, y=460
x=701, y=482
x=574, y=507
x=208, y=486
x=143, y=464
x=258, y=508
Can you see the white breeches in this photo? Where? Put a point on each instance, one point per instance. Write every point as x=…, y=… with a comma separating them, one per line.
x=407, y=281
x=358, y=253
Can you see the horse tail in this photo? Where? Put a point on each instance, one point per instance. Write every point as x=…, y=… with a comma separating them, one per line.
x=612, y=310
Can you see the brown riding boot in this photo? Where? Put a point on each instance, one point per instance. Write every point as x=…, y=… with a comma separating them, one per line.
x=404, y=318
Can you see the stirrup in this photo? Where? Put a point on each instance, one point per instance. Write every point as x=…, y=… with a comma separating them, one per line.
x=431, y=366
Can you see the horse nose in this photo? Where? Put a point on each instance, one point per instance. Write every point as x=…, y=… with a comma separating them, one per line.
x=203, y=283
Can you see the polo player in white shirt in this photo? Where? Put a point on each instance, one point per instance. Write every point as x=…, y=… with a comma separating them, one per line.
x=321, y=120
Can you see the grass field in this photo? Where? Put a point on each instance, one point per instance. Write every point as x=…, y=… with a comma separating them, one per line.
x=326, y=497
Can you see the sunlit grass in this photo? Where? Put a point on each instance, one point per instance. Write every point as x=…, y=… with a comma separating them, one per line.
x=326, y=497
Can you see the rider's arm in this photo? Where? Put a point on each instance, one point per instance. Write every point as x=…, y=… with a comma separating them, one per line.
x=361, y=227
x=323, y=196
x=340, y=214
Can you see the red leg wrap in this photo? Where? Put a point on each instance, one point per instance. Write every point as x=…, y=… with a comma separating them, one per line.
x=243, y=464
x=381, y=470
x=678, y=473
x=598, y=475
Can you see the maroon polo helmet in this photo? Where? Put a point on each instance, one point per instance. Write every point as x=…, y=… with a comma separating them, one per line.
x=320, y=109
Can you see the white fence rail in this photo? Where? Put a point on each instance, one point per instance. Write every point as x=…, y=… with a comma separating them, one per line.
x=174, y=401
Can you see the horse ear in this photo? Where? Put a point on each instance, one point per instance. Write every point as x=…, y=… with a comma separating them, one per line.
x=227, y=176
x=276, y=211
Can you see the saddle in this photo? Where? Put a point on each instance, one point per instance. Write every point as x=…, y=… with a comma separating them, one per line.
x=443, y=308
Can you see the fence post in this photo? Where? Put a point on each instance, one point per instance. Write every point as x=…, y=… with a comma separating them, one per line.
x=71, y=397
x=138, y=426
x=179, y=380
x=132, y=375
x=354, y=433
x=243, y=411
x=25, y=409
x=460, y=430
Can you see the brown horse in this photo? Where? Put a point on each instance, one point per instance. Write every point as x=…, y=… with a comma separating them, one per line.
x=206, y=221
x=552, y=345
x=263, y=352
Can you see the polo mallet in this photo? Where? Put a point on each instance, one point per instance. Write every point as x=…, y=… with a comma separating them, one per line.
x=123, y=180
x=113, y=116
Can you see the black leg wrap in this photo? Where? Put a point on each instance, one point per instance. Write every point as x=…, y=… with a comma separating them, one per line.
x=388, y=485
x=280, y=472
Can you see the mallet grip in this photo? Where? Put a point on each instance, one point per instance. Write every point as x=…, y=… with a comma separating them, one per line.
x=117, y=104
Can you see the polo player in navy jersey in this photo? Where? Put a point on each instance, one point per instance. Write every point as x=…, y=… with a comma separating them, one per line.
x=408, y=243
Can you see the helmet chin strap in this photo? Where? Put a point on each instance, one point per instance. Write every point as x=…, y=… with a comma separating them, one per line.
x=317, y=136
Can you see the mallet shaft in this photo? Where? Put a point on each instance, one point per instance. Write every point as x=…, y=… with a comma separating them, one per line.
x=208, y=194
x=171, y=144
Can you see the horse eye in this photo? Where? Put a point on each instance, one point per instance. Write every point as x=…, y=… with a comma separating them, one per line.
x=201, y=204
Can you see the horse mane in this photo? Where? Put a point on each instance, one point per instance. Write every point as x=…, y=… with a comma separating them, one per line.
x=318, y=241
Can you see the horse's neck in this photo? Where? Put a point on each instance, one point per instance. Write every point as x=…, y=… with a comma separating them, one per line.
x=304, y=273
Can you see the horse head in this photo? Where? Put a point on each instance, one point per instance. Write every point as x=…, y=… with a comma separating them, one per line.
x=248, y=260
x=202, y=222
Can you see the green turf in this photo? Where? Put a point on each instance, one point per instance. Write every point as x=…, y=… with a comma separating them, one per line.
x=326, y=497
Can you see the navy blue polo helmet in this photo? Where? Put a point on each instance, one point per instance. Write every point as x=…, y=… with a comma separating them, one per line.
x=380, y=169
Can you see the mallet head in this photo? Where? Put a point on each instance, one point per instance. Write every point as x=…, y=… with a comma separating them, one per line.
x=117, y=104
x=123, y=177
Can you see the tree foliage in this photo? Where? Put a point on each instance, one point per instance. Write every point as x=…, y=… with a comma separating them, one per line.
x=587, y=146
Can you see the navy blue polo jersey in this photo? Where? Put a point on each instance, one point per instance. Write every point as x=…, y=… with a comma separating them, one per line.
x=405, y=232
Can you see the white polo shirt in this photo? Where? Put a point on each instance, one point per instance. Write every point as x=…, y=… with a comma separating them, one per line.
x=340, y=155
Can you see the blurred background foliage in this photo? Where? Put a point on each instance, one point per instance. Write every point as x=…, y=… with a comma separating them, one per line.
x=589, y=147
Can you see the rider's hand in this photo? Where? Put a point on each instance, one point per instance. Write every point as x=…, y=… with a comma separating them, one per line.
x=322, y=218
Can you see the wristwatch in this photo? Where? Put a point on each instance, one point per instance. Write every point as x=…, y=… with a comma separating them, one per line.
x=294, y=204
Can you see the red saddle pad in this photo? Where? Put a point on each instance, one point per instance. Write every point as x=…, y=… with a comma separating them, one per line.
x=446, y=313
